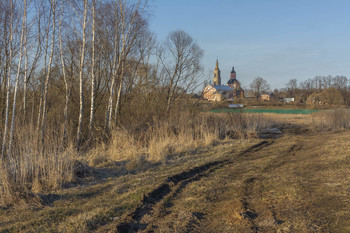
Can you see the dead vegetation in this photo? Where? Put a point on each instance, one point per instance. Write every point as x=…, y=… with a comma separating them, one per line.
x=37, y=170
x=337, y=119
x=291, y=184
x=266, y=187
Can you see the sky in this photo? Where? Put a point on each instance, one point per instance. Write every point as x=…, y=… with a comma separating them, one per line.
x=277, y=40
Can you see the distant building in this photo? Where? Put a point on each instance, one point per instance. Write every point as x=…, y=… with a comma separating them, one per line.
x=288, y=100
x=218, y=92
x=235, y=85
x=266, y=97
x=217, y=76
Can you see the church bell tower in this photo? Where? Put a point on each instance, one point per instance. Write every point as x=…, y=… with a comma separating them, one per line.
x=217, y=78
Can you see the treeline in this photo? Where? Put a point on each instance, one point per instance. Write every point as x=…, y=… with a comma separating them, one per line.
x=86, y=65
x=73, y=70
x=319, y=90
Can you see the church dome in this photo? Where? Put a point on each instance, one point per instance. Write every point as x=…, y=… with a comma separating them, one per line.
x=232, y=81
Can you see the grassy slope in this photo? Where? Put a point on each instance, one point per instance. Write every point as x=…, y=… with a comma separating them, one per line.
x=294, y=183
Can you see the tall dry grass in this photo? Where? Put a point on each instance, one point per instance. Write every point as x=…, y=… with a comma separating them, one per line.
x=183, y=132
x=32, y=168
x=337, y=119
x=36, y=167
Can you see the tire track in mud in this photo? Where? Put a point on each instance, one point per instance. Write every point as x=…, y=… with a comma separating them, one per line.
x=154, y=204
x=249, y=184
x=249, y=213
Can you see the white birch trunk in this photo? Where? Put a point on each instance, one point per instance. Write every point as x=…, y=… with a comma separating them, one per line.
x=65, y=113
x=81, y=94
x=45, y=67
x=92, y=107
x=17, y=79
x=121, y=57
x=114, y=69
x=46, y=86
x=119, y=94
x=25, y=74
x=3, y=149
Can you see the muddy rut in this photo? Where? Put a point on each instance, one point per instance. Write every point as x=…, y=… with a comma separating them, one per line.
x=154, y=204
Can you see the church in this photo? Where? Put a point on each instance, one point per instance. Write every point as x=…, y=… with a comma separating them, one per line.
x=218, y=92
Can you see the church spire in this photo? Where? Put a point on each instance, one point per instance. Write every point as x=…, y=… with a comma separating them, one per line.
x=233, y=70
x=233, y=73
x=217, y=78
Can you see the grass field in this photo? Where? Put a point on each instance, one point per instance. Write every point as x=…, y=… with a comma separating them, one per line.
x=295, y=182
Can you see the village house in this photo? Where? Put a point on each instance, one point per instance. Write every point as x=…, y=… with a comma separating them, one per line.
x=266, y=97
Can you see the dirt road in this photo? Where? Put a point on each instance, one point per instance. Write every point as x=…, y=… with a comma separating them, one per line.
x=296, y=183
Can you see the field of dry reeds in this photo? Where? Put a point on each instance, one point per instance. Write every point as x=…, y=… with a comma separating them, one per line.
x=337, y=119
x=35, y=169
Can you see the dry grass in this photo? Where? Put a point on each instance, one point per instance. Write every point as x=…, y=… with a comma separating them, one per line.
x=337, y=119
x=303, y=120
x=100, y=205
x=35, y=167
x=299, y=183
x=31, y=168
x=183, y=133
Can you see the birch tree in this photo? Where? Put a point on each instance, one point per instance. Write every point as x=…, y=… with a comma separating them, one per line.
x=34, y=41
x=126, y=23
x=66, y=85
x=25, y=81
x=48, y=72
x=17, y=76
x=114, y=67
x=92, y=106
x=81, y=89
x=8, y=83
x=45, y=68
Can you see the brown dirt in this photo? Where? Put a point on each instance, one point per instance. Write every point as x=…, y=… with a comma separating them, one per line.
x=273, y=186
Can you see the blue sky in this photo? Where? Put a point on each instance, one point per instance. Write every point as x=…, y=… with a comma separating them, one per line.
x=275, y=39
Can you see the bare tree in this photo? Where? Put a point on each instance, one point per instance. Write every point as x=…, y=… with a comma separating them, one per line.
x=8, y=81
x=81, y=88
x=32, y=39
x=292, y=86
x=180, y=59
x=92, y=106
x=25, y=81
x=259, y=86
x=46, y=69
x=48, y=72
x=17, y=76
x=126, y=28
x=67, y=89
x=340, y=82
